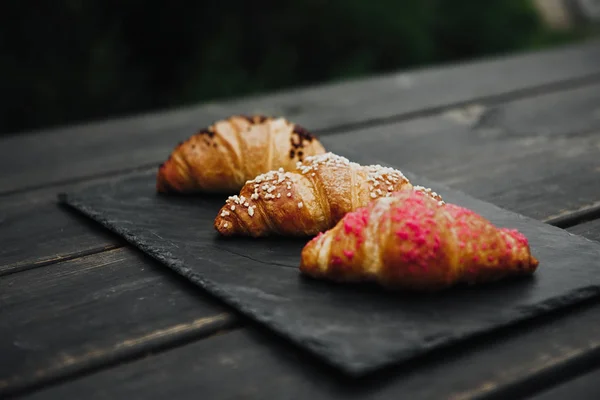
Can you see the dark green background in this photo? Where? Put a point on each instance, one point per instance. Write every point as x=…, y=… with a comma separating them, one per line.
x=67, y=61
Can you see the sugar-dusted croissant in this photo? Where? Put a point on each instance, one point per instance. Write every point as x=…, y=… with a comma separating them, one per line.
x=409, y=241
x=308, y=200
x=222, y=157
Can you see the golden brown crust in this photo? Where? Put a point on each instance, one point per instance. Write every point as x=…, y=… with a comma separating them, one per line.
x=308, y=200
x=222, y=157
x=411, y=241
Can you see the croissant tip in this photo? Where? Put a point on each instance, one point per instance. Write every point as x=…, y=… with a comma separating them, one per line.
x=161, y=182
x=306, y=267
x=534, y=262
x=171, y=179
x=305, y=270
x=223, y=227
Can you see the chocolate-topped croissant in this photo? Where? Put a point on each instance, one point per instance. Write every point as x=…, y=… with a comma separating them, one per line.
x=410, y=241
x=222, y=157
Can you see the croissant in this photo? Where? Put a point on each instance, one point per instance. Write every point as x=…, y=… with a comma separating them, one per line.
x=308, y=200
x=222, y=157
x=409, y=241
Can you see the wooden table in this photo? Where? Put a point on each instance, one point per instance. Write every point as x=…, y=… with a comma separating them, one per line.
x=84, y=315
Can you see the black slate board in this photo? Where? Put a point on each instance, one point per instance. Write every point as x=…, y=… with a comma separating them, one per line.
x=356, y=328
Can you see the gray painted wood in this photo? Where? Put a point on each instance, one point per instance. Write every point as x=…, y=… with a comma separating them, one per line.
x=81, y=314
x=108, y=147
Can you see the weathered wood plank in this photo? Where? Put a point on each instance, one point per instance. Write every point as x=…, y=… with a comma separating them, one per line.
x=590, y=230
x=584, y=387
x=538, y=156
x=84, y=313
x=36, y=231
x=106, y=147
x=34, y=236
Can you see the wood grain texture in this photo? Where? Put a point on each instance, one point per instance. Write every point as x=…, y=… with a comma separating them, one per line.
x=253, y=364
x=112, y=146
x=590, y=230
x=538, y=156
x=36, y=231
x=84, y=313
x=585, y=387
x=36, y=236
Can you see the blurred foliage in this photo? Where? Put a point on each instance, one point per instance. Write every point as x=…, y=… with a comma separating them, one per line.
x=67, y=60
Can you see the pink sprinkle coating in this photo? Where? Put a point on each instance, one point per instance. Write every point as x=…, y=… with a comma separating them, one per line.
x=418, y=243
x=355, y=224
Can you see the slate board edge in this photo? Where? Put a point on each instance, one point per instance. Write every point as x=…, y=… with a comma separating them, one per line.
x=348, y=367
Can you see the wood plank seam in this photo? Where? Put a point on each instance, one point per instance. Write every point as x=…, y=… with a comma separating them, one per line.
x=73, y=366
x=571, y=218
x=484, y=100
x=18, y=267
x=107, y=174
x=552, y=373
x=374, y=122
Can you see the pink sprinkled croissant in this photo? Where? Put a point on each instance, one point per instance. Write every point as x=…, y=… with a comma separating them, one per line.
x=410, y=241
